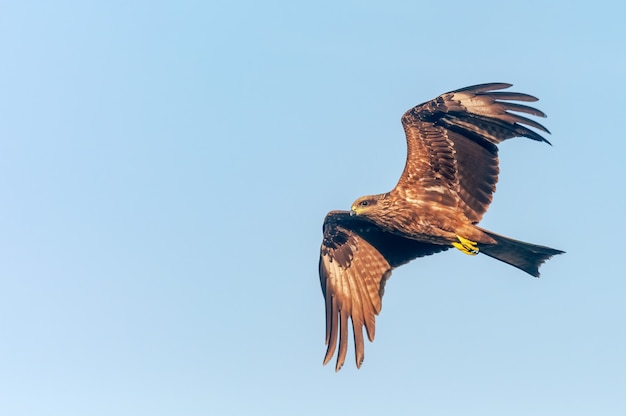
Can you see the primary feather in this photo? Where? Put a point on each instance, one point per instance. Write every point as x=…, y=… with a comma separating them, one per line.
x=446, y=186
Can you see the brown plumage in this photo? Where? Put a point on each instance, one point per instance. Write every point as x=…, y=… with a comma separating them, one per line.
x=446, y=186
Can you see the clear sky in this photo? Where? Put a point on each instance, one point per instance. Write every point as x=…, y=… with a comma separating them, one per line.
x=165, y=167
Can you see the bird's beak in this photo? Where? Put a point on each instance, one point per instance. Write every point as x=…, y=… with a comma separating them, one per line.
x=352, y=212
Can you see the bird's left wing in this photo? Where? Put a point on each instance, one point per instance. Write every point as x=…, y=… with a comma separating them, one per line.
x=356, y=259
x=452, y=154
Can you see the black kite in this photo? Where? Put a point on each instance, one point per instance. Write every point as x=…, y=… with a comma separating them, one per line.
x=446, y=186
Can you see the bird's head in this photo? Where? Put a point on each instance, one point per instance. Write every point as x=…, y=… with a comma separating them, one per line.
x=366, y=204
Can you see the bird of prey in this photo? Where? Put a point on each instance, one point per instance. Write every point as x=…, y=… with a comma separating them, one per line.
x=447, y=185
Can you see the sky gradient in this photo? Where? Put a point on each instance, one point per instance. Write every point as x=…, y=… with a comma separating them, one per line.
x=165, y=168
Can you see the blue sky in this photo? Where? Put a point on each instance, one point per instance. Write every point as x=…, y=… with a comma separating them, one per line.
x=165, y=168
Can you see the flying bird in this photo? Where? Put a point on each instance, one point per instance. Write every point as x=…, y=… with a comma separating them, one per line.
x=447, y=185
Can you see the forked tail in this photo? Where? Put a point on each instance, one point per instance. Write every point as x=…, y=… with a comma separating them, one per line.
x=524, y=256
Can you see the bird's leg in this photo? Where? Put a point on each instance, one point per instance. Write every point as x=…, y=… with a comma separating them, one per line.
x=466, y=246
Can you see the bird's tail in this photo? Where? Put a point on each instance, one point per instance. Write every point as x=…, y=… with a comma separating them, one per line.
x=524, y=256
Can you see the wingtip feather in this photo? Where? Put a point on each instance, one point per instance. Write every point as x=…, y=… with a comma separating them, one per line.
x=490, y=86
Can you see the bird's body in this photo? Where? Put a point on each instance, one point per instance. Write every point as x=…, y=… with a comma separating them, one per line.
x=425, y=221
x=445, y=188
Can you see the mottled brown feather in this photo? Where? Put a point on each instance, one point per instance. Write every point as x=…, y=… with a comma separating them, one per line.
x=446, y=186
x=471, y=122
x=356, y=259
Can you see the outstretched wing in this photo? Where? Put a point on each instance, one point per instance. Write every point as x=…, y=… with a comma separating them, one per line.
x=452, y=154
x=356, y=259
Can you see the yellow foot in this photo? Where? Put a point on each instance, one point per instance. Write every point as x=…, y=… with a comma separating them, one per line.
x=466, y=246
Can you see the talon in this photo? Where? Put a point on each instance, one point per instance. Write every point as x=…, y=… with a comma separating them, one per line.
x=466, y=246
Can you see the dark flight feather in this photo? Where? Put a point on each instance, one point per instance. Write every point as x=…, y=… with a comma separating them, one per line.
x=445, y=188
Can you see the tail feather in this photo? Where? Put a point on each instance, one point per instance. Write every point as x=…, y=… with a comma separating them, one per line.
x=525, y=256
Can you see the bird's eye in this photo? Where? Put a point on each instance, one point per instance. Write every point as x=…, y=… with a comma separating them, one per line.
x=364, y=203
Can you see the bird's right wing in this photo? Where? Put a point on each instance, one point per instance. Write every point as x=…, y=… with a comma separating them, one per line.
x=356, y=259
